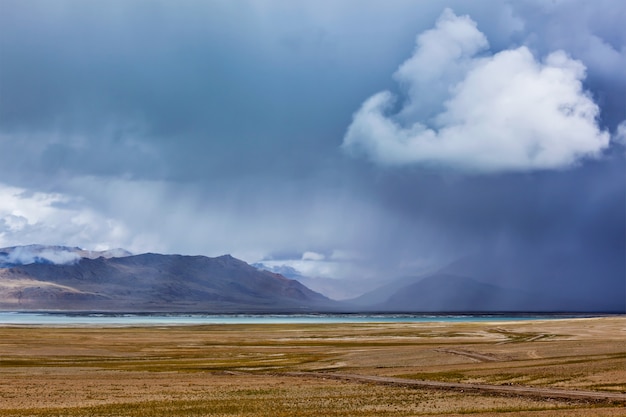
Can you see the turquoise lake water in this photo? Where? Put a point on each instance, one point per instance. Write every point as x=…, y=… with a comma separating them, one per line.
x=62, y=319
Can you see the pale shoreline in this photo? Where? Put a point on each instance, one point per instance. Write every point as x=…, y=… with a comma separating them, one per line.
x=104, y=319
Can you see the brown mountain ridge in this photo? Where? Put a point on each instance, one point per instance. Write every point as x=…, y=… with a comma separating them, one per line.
x=154, y=282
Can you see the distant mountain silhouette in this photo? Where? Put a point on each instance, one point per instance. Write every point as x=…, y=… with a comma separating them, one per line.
x=574, y=283
x=451, y=293
x=154, y=282
x=503, y=282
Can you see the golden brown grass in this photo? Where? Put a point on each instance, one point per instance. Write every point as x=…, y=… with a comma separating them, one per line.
x=238, y=370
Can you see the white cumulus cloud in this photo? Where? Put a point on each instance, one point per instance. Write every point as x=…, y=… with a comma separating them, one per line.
x=479, y=112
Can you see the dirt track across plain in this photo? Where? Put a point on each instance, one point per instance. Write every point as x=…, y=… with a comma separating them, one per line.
x=514, y=390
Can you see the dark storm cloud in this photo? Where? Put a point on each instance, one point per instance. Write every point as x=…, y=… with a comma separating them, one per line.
x=205, y=83
x=128, y=72
x=539, y=209
x=213, y=127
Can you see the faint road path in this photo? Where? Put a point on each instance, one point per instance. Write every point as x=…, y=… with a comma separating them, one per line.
x=473, y=355
x=515, y=390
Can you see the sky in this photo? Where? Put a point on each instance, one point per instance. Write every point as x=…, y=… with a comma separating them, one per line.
x=353, y=140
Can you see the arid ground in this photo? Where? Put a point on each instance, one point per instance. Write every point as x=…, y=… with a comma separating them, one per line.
x=533, y=368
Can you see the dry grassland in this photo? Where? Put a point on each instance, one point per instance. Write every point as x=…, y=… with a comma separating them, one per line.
x=243, y=370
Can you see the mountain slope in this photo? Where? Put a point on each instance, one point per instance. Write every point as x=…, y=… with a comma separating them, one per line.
x=451, y=293
x=153, y=282
x=381, y=294
x=506, y=282
x=589, y=286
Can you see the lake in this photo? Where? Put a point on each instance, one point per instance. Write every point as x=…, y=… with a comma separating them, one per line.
x=99, y=319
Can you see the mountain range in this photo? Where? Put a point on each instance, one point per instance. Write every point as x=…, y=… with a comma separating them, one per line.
x=149, y=282
x=38, y=277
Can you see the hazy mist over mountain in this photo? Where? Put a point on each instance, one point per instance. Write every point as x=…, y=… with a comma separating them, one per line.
x=355, y=142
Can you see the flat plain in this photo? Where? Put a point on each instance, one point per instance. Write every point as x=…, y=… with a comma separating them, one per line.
x=557, y=366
